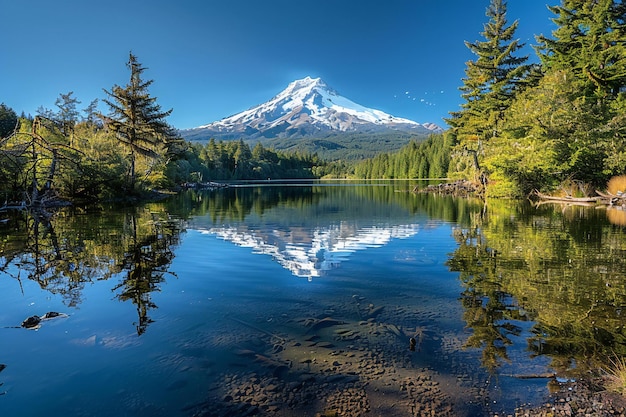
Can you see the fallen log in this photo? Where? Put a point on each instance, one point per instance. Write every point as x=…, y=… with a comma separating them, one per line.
x=613, y=200
x=204, y=185
x=569, y=199
x=601, y=198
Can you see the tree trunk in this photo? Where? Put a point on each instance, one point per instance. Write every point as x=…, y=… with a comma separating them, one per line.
x=51, y=171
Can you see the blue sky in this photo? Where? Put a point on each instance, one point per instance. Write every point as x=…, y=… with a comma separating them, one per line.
x=210, y=59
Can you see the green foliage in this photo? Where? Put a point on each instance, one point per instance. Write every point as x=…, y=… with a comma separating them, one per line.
x=428, y=159
x=8, y=120
x=589, y=41
x=518, y=264
x=563, y=120
x=490, y=85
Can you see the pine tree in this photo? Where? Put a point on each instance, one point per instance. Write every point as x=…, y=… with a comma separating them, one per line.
x=67, y=116
x=490, y=85
x=91, y=113
x=8, y=120
x=589, y=41
x=136, y=118
x=588, y=51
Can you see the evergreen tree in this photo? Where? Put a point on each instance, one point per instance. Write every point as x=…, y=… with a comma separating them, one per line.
x=67, y=116
x=588, y=53
x=490, y=85
x=136, y=118
x=8, y=120
x=91, y=113
x=589, y=41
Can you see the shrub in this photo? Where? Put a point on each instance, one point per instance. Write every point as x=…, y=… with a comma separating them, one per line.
x=617, y=376
x=616, y=184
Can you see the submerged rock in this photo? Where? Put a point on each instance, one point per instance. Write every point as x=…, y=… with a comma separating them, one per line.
x=34, y=322
x=31, y=322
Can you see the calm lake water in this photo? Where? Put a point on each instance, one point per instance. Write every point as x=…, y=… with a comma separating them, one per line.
x=287, y=299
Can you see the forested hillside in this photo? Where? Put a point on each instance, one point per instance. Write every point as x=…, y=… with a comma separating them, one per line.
x=346, y=146
x=428, y=159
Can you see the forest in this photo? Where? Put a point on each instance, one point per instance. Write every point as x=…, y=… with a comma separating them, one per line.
x=524, y=124
x=71, y=155
x=527, y=126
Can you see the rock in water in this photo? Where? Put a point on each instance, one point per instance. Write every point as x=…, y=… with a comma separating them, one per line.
x=31, y=322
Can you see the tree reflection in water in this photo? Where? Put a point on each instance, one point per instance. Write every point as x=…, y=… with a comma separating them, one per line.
x=561, y=268
x=65, y=251
x=2, y=367
x=145, y=263
x=488, y=310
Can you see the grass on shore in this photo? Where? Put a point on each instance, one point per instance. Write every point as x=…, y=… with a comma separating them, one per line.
x=617, y=376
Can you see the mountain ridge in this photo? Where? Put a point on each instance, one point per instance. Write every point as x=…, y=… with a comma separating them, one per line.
x=308, y=107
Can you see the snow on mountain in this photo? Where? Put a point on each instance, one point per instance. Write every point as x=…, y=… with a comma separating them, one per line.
x=307, y=107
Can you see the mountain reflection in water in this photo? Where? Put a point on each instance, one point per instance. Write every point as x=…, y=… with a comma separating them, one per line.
x=312, y=252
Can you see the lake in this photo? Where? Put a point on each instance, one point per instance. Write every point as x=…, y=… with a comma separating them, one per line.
x=304, y=299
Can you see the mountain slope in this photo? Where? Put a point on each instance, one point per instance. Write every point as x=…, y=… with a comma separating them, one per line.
x=306, y=108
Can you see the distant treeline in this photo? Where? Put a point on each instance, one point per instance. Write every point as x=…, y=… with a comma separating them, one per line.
x=427, y=159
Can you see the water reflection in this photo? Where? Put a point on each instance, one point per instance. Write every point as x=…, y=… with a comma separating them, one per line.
x=145, y=263
x=489, y=311
x=312, y=252
x=50, y=253
x=73, y=248
x=562, y=268
x=541, y=282
x=2, y=367
x=311, y=230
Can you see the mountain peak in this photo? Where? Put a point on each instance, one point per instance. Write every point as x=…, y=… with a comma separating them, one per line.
x=306, y=82
x=307, y=107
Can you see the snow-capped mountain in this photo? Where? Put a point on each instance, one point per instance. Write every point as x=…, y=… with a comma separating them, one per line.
x=307, y=107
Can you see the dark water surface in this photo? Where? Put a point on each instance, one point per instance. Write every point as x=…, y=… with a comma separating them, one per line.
x=313, y=290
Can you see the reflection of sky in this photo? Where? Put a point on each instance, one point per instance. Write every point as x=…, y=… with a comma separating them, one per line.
x=310, y=252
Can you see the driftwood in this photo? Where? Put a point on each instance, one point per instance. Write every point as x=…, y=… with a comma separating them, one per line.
x=618, y=199
x=568, y=199
x=204, y=185
x=602, y=198
x=461, y=188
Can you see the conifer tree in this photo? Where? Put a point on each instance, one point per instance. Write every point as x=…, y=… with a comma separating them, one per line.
x=136, y=118
x=588, y=51
x=589, y=41
x=491, y=83
x=67, y=116
x=91, y=113
x=8, y=120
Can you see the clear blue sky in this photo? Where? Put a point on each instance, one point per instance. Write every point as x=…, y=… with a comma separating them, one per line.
x=210, y=59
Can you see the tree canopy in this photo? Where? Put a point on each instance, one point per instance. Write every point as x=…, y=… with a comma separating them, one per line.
x=532, y=127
